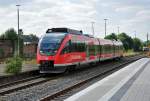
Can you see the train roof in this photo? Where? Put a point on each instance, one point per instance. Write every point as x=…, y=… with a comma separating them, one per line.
x=105, y=41
x=77, y=32
x=65, y=30
x=117, y=42
x=91, y=36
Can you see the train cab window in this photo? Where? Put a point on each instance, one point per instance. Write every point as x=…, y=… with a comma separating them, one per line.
x=50, y=43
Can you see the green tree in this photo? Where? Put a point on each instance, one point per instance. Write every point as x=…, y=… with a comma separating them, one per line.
x=126, y=40
x=30, y=38
x=146, y=43
x=137, y=44
x=34, y=38
x=112, y=36
x=10, y=34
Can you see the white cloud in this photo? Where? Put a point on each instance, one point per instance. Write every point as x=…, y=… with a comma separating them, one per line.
x=54, y=14
x=38, y=15
x=127, y=8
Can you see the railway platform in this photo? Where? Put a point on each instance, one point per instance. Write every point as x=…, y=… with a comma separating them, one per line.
x=131, y=83
x=25, y=68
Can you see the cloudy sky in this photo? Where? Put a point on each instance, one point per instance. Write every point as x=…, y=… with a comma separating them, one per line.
x=38, y=15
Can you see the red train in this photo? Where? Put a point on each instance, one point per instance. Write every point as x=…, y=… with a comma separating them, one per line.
x=61, y=49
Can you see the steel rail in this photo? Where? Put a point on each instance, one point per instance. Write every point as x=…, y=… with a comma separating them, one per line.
x=19, y=81
x=24, y=84
x=81, y=83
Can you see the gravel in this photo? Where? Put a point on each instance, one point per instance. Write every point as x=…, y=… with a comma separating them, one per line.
x=39, y=91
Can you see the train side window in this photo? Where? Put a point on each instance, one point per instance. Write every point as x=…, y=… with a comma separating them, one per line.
x=67, y=47
x=77, y=47
x=92, y=49
x=81, y=47
x=73, y=47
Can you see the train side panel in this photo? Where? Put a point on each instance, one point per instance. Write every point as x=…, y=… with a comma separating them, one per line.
x=118, y=49
x=75, y=50
x=107, y=50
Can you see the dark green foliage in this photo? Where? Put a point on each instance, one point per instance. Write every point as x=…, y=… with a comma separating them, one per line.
x=146, y=43
x=10, y=34
x=34, y=38
x=30, y=38
x=126, y=40
x=112, y=36
x=14, y=65
x=137, y=44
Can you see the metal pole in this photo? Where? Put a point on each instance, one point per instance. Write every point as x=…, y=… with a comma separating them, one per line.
x=113, y=30
x=18, y=50
x=93, y=28
x=135, y=34
x=118, y=29
x=147, y=39
x=105, y=26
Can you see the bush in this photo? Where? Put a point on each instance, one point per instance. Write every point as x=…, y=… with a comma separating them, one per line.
x=14, y=65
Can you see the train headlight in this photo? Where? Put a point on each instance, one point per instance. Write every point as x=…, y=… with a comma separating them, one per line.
x=41, y=52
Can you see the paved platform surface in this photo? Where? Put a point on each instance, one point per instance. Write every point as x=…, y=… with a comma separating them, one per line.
x=26, y=67
x=131, y=83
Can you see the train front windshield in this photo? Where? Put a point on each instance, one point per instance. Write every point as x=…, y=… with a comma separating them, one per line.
x=50, y=43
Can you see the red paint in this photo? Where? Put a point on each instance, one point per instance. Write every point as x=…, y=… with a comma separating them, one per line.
x=77, y=56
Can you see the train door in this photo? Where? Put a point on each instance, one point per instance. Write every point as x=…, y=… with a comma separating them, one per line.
x=114, y=49
x=87, y=52
x=99, y=50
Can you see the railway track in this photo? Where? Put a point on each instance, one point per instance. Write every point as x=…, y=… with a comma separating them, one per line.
x=13, y=78
x=24, y=83
x=62, y=92
x=19, y=81
x=15, y=86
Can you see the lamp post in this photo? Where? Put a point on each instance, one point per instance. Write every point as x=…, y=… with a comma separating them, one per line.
x=118, y=29
x=105, y=26
x=147, y=35
x=18, y=46
x=135, y=34
x=93, y=28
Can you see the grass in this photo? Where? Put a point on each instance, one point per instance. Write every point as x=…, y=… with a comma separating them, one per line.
x=130, y=53
x=31, y=61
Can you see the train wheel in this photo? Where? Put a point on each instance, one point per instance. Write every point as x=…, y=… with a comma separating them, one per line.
x=93, y=64
x=70, y=68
